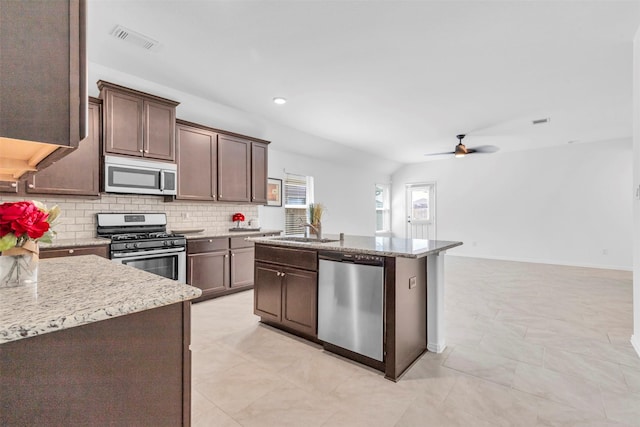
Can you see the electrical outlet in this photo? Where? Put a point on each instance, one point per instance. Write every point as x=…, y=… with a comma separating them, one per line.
x=412, y=282
x=184, y=215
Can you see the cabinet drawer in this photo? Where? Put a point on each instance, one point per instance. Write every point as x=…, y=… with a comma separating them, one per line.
x=240, y=242
x=102, y=251
x=207, y=245
x=294, y=257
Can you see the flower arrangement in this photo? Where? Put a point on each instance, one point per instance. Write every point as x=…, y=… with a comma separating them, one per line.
x=22, y=226
x=25, y=221
x=315, y=213
x=237, y=218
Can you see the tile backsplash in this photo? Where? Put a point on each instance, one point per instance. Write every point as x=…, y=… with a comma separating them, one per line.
x=78, y=218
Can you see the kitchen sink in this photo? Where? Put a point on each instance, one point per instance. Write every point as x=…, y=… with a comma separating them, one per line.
x=303, y=239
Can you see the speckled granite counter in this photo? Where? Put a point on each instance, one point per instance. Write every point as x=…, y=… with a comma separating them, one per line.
x=74, y=291
x=208, y=234
x=382, y=246
x=68, y=243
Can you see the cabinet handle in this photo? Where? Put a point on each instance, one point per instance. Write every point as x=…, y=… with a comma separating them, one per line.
x=140, y=150
x=71, y=251
x=233, y=254
x=210, y=240
x=32, y=186
x=14, y=185
x=219, y=196
x=146, y=151
x=282, y=274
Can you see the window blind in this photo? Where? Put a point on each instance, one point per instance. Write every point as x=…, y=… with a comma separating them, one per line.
x=297, y=196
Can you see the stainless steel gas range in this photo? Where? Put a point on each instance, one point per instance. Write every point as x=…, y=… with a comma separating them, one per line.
x=141, y=240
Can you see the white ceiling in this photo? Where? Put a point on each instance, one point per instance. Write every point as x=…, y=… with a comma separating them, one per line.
x=395, y=78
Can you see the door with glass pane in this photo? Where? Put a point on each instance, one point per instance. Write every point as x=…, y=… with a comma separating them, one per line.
x=421, y=211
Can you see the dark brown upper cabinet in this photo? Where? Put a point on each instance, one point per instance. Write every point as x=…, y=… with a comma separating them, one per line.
x=259, y=167
x=77, y=174
x=234, y=169
x=137, y=123
x=43, y=93
x=196, y=150
x=217, y=166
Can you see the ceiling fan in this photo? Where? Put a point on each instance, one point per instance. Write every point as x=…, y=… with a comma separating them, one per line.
x=461, y=150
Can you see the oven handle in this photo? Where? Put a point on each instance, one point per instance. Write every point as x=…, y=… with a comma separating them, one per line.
x=145, y=253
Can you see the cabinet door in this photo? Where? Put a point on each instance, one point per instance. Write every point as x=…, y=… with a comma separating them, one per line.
x=43, y=71
x=159, y=131
x=299, y=300
x=259, y=172
x=76, y=174
x=209, y=272
x=123, y=122
x=197, y=159
x=102, y=251
x=234, y=174
x=267, y=292
x=9, y=187
x=242, y=267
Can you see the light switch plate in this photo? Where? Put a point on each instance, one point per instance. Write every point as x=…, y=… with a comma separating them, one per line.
x=412, y=282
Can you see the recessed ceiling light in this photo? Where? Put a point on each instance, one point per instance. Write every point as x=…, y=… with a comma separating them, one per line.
x=279, y=100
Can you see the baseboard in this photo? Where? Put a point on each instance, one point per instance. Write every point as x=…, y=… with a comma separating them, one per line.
x=635, y=342
x=436, y=348
x=544, y=261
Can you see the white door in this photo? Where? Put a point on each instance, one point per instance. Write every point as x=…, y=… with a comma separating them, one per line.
x=421, y=211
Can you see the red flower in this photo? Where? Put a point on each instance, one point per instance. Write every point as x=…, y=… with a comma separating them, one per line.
x=23, y=218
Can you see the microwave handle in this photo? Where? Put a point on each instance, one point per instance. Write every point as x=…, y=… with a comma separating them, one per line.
x=161, y=180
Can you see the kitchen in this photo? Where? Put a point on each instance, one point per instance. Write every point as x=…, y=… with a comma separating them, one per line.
x=496, y=231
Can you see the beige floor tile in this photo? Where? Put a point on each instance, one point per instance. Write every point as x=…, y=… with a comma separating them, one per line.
x=622, y=407
x=631, y=377
x=555, y=414
x=288, y=405
x=481, y=364
x=429, y=380
x=515, y=348
x=424, y=412
x=496, y=404
x=607, y=374
x=566, y=389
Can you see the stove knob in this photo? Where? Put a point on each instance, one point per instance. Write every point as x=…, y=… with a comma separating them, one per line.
x=135, y=245
x=176, y=242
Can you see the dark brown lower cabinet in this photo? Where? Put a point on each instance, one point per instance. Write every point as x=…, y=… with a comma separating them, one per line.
x=220, y=265
x=128, y=370
x=100, y=250
x=284, y=294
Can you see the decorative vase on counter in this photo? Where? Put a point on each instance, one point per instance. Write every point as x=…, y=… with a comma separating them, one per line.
x=19, y=265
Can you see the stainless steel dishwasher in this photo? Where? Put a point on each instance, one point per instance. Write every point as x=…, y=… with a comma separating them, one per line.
x=351, y=302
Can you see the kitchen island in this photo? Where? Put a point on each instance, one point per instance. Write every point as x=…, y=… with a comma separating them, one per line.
x=93, y=343
x=286, y=292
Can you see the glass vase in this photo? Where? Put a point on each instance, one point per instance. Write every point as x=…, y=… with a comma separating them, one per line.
x=18, y=267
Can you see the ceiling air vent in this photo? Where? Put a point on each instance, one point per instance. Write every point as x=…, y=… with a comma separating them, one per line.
x=133, y=37
x=541, y=121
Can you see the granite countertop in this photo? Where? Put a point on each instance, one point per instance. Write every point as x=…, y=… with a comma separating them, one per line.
x=217, y=233
x=65, y=243
x=73, y=291
x=382, y=246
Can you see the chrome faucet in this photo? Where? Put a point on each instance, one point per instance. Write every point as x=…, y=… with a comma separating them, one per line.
x=317, y=229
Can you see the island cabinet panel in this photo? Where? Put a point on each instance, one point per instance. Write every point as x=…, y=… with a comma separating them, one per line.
x=197, y=163
x=234, y=173
x=268, y=292
x=101, y=251
x=241, y=267
x=259, y=167
x=300, y=300
x=127, y=370
x=78, y=173
x=286, y=292
x=137, y=123
x=43, y=71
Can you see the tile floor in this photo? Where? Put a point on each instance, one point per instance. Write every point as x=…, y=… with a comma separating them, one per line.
x=528, y=345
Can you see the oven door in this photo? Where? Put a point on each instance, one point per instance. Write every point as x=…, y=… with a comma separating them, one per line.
x=171, y=263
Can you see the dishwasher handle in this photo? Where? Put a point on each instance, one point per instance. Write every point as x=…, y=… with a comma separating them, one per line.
x=351, y=258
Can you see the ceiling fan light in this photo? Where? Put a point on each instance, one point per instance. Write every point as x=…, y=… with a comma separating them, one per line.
x=461, y=150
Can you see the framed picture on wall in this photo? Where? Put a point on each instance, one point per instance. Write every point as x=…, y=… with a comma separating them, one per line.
x=274, y=192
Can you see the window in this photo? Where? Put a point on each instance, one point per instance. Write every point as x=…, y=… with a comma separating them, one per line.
x=383, y=208
x=298, y=194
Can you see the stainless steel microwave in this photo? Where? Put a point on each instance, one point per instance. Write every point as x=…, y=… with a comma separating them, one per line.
x=139, y=176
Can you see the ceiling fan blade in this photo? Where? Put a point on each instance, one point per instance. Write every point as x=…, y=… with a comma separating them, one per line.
x=483, y=149
x=440, y=154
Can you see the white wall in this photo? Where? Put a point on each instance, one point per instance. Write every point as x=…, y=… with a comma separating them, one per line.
x=348, y=193
x=635, y=339
x=562, y=205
